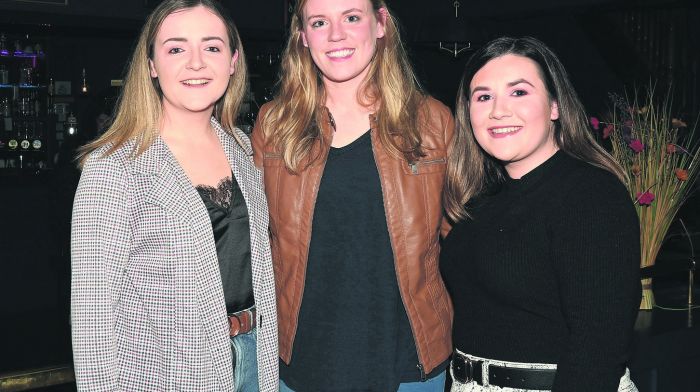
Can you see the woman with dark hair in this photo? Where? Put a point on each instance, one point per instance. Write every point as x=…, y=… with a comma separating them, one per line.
x=543, y=261
x=354, y=157
x=172, y=285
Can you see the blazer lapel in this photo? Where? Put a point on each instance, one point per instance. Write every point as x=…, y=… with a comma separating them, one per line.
x=239, y=153
x=171, y=188
x=240, y=157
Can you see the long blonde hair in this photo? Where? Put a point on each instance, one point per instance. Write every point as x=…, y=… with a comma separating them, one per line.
x=470, y=171
x=391, y=87
x=139, y=107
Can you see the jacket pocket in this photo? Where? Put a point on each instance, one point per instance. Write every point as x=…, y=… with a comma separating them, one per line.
x=425, y=166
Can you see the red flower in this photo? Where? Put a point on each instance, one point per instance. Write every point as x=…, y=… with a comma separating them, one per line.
x=595, y=123
x=608, y=130
x=681, y=174
x=636, y=145
x=671, y=148
x=645, y=199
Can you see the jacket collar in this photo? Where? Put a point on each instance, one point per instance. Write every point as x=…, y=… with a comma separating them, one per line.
x=327, y=125
x=238, y=136
x=151, y=161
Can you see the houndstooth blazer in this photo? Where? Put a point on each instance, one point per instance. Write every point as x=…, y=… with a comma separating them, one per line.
x=147, y=303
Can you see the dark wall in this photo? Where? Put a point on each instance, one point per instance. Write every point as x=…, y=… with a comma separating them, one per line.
x=261, y=14
x=589, y=70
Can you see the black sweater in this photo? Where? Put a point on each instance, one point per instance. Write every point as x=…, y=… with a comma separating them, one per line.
x=547, y=271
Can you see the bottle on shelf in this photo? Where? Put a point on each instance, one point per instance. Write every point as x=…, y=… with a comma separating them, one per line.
x=36, y=103
x=4, y=75
x=49, y=97
x=3, y=45
x=26, y=74
x=72, y=125
x=4, y=136
x=38, y=146
x=25, y=104
x=18, y=47
x=38, y=139
x=84, y=87
x=13, y=140
x=6, y=112
x=14, y=102
x=10, y=162
x=25, y=141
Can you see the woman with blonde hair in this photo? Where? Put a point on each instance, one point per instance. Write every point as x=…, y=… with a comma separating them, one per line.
x=353, y=154
x=172, y=283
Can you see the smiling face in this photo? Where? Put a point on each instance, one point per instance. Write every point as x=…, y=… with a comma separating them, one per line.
x=192, y=60
x=342, y=37
x=511, y=113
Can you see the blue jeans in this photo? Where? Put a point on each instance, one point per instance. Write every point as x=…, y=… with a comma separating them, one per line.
x=245, y=362
x=435, y=384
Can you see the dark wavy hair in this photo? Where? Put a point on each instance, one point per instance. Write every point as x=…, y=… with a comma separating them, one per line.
x=470, y=171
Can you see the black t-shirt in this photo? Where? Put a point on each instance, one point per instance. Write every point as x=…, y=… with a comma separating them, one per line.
x=229, y=219
x=353, y=332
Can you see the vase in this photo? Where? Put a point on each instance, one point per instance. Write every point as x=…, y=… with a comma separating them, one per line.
x=648, y=300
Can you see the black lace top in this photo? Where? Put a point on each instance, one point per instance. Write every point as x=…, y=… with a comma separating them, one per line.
x=229, y=220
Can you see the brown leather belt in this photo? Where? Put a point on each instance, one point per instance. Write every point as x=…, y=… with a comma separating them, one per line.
x=241, y=322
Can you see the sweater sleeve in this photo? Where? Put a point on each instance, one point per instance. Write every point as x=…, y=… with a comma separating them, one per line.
x=100, y=242
x=596, y=253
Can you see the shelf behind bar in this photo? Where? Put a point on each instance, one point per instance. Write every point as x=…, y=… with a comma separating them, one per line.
x=36, y=378
x=22, y=86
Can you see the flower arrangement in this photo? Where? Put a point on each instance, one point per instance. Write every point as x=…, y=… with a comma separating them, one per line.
x=658, y=153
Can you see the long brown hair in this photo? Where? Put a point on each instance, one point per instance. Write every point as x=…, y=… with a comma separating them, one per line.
x=390, y=85
x=470, y=171
x=139, y=107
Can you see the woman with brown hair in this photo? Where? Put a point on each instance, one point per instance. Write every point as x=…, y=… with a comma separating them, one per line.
x=353, y=154
x=543, y=262
x=172, y=285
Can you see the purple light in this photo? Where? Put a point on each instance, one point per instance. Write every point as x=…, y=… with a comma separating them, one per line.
x=32, y=56
x=26, y=55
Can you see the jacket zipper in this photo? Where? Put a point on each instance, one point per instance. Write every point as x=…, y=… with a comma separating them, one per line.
x=422, y=371
x=414, y=165
x=393, y=250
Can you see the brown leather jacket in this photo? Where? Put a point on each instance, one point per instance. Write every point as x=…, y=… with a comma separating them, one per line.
x=413, y=207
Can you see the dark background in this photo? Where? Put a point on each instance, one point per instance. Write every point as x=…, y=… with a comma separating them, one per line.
x=607, y=46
